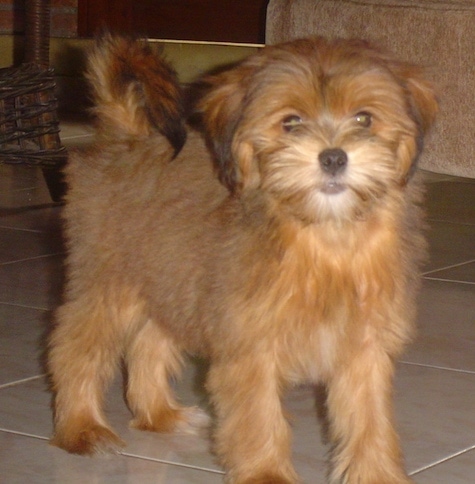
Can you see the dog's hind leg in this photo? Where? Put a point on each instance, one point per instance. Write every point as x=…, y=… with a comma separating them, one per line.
x=85, y=349
x=153, y=359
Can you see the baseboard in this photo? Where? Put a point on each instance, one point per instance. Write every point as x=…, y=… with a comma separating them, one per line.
x=67, y=57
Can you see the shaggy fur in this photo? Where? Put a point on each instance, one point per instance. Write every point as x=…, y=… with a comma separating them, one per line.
x=300, y=266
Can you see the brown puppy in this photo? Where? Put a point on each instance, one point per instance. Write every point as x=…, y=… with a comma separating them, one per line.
x=301, y=266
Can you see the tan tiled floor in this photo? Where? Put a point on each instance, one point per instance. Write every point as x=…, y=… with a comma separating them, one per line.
x=435, y=384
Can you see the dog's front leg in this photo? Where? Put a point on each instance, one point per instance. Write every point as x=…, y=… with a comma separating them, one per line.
x=366, y=446
x=252, y=436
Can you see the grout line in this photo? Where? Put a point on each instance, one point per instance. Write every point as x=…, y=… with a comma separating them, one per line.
x=6, y=212
x=31, y=258
x=436, y=367
x=77, y=136
x=23, y=434
x=167, y=462
x=449, y=222
x=449, y=267
x=24, y=380
x=17, y=305
x=20, y=229
x=441, y=279
x=441, y=461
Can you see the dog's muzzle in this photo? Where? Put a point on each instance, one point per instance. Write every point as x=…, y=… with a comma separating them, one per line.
x=333, y=162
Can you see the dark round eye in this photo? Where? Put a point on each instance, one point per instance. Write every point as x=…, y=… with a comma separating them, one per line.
x=364, y=119
x=289, y=123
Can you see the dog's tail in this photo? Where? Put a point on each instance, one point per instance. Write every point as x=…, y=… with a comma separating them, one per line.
x=135, y=92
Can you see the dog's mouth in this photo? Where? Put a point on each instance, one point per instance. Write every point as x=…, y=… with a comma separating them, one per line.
x=332, y=187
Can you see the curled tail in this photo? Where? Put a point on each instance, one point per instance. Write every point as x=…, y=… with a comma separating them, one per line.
x=135, y=92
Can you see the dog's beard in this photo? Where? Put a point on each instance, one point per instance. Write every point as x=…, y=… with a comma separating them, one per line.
x=295, y=178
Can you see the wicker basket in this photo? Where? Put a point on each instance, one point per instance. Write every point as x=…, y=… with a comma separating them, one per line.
x=29, y=126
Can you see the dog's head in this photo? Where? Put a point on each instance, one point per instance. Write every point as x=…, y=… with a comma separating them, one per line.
x=325, y=127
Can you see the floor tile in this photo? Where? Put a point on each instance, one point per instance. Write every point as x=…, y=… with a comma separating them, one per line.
x=14, y=177
x=28, y=459
x=455, y=470
x=449, y=244
x=310, y=450
x=435, y=414
x=445, y=327
x=39, y=218
x=22, y=331
x=451, y=201
x=35, y=282
x=22, y=186
x=18, y=245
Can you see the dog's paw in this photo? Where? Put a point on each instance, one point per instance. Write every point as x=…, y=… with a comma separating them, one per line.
x=395, y=478
x=183, y=420
x=94, y=439
x=194, y=419
x=275, y=475
x=266, y=478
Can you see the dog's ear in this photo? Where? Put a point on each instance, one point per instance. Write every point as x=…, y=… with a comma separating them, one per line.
x=422, y=101
x=220, y=109
x=422, y=96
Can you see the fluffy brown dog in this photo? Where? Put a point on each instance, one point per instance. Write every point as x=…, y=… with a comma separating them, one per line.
x=300, y=266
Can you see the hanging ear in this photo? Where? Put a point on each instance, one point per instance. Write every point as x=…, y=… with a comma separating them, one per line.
x=221, y=110
x=421, y=93
x=424, y=107
x=424, y=101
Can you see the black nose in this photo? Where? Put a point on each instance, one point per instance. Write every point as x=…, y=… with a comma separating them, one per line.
x=333, y=160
